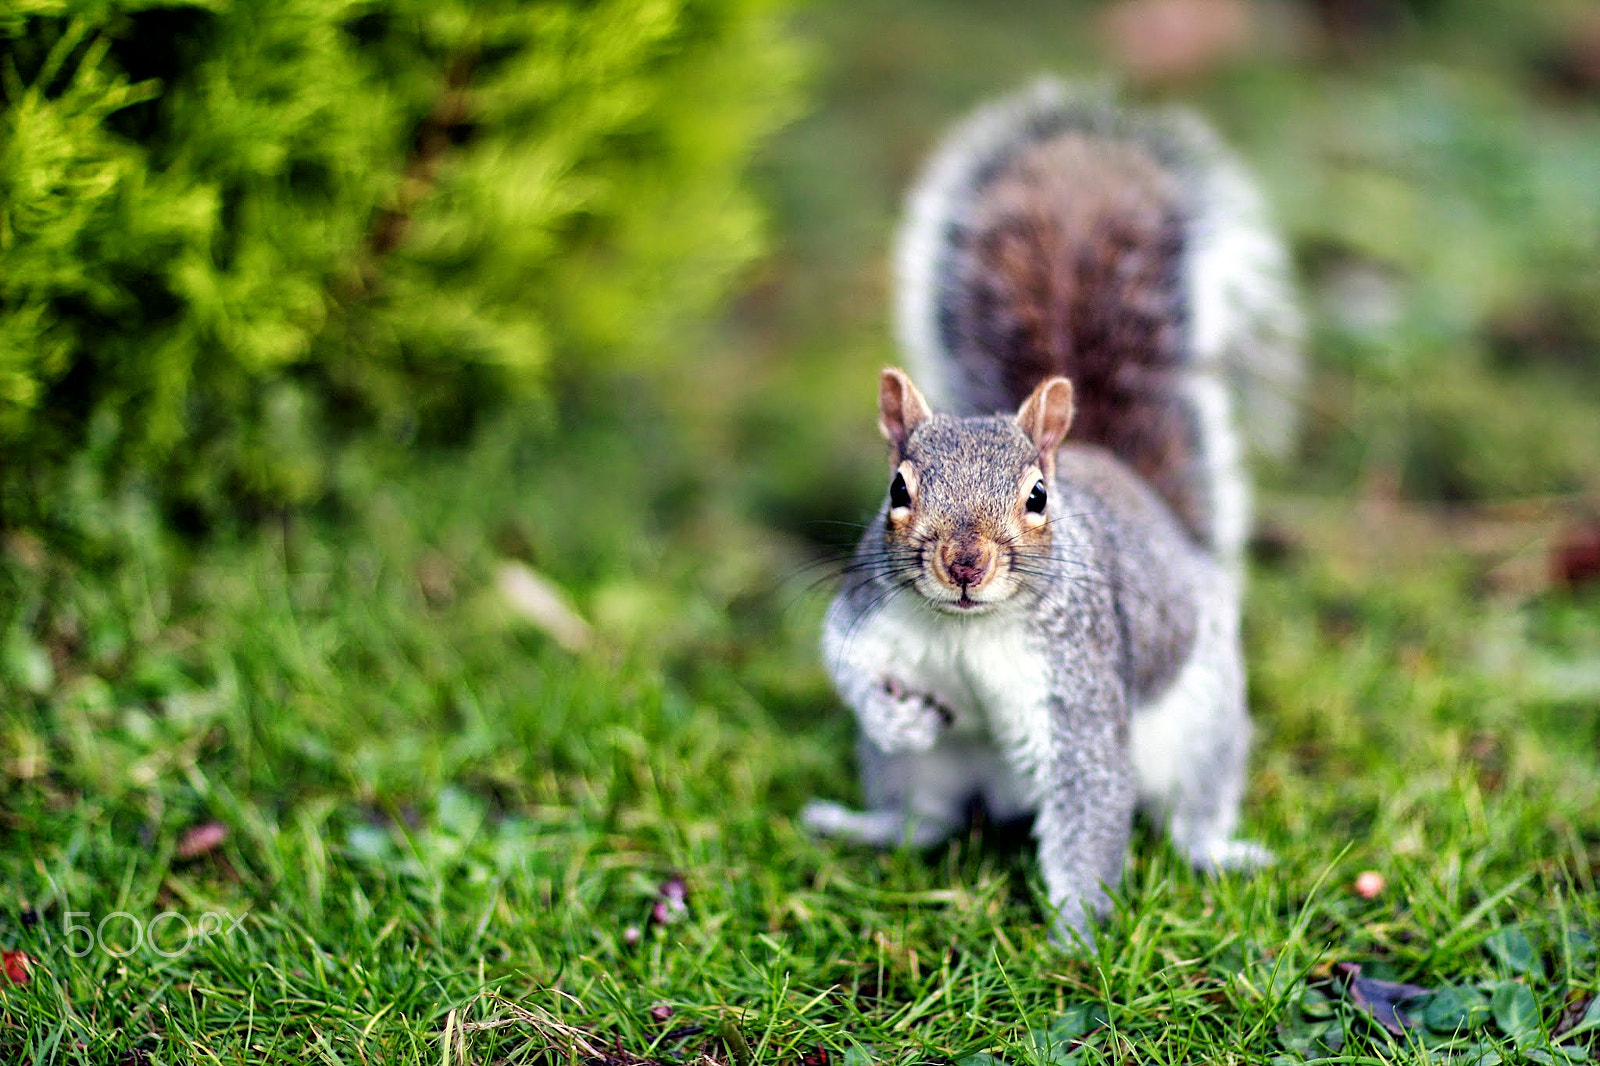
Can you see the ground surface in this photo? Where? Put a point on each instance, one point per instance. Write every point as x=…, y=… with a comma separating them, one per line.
x=315, y=793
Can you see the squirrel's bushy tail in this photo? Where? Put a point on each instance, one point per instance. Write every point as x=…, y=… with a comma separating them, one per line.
x=1053, y=233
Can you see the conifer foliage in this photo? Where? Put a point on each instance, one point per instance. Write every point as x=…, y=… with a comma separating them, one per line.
x=231, y=228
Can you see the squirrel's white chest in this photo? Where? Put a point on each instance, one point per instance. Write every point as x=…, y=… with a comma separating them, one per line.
x=990, y=673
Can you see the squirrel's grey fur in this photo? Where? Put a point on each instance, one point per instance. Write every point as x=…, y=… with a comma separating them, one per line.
x=1079, y=658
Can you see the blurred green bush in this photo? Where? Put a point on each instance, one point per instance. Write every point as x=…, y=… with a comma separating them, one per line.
x=232, y=230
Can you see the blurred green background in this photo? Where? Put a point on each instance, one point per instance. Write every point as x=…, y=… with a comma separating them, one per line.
x=424, y=428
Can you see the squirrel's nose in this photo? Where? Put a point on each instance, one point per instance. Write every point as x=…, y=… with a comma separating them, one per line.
x=967, y=564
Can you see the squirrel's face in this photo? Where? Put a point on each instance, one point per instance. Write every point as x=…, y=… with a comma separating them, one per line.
x=969, y=498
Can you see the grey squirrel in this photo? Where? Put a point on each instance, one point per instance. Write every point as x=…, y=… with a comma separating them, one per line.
x=1052, y=627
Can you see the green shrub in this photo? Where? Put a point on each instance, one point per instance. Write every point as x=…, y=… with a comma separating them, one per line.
x=232, y=229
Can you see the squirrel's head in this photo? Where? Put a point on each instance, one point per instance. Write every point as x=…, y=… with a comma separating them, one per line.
x=969, y=498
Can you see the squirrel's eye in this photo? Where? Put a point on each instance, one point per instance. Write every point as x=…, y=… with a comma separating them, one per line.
x=899, y=495
x=1036, y=498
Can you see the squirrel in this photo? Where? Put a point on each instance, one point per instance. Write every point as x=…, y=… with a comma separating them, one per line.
x=1044, y=615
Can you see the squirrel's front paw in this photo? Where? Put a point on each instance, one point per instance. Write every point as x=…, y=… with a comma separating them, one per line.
x=898, y=721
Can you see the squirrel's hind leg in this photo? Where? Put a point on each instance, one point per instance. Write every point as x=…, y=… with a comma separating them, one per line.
x=1192, y=748
x=1201, y=826
x=1204, y=809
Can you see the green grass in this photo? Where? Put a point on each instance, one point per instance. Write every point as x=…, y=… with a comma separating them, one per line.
x=439, y=821
x=442, y=827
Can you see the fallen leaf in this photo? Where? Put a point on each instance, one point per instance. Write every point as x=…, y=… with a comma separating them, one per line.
x=18, y=966
x=1381, y=1000
x=661, y=1010
x=1578, y=1018
x=537, y=600
x=201, y=839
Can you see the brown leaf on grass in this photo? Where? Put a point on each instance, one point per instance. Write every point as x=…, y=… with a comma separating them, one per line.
x=1577, y=1008
x=1176, y=40
x=18, y=966
x=1380, y=1000
x=200, y=839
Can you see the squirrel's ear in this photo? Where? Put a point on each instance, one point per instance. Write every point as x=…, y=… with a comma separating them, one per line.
x=1045, y=416
x=901, y=407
